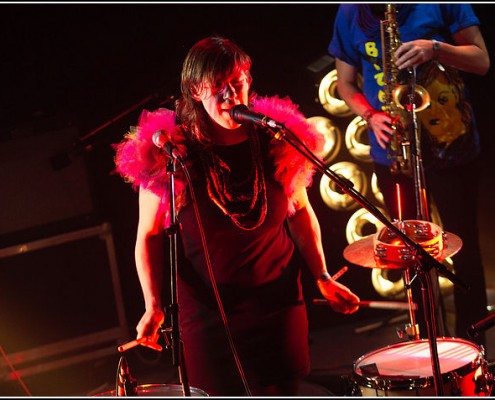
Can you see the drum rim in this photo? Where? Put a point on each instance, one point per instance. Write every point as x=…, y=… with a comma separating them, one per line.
x=401, y=382
x=147, y=386
x=174, y=385
x=394, y=383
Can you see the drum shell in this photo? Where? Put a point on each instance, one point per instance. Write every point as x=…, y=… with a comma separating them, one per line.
x=460, y=377
x=158, y=390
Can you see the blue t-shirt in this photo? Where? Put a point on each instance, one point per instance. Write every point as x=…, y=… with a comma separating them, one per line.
x=448, y=132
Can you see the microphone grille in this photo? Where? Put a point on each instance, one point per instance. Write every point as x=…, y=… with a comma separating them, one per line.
x=157, y=138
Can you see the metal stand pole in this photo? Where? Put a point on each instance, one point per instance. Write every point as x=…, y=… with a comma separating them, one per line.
x=173, y=309
x=432, y=334
x=413, y=331
x=429, y=287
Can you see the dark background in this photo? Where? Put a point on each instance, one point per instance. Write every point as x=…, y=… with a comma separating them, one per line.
x=70, y=69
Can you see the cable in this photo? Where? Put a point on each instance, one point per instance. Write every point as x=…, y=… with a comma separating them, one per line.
x=213, y=281
x=14, y=372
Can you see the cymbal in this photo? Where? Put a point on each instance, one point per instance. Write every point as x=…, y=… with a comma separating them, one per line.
x=362, y=253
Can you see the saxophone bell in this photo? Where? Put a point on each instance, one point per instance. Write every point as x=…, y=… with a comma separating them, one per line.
x=402, y=97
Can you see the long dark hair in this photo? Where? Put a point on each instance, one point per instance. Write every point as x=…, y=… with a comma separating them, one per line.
x=211, y=60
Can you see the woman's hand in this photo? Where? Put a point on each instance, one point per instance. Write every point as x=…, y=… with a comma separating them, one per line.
x=340, y=298
x=149, y=326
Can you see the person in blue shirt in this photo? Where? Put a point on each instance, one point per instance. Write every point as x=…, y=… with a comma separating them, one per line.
x=438, y=43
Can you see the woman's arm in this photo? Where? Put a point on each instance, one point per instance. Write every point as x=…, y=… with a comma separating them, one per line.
x=149, y=263
x=306, y=233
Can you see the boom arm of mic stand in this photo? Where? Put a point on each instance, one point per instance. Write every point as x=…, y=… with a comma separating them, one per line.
x=135, y=106
x=425, y=260
x=84, y=143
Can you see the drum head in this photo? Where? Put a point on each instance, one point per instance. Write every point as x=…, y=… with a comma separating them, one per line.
x=412, y=358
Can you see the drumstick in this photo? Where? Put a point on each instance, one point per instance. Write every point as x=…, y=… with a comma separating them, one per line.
x=395, y=305
x=137, y=342
x=339, y=273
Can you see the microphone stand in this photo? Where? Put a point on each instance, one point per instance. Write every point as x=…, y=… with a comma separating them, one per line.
x=173, y=309
x=425, y=262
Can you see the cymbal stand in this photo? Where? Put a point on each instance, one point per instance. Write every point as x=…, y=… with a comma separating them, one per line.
x=411, y=329
x=422, y=213
x=422, y=209
x=425, y=261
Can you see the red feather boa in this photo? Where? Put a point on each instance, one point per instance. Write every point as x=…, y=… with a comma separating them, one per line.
x=140, y=162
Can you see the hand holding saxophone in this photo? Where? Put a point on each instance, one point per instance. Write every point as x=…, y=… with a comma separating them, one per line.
x=380, y=123
x=414, y=53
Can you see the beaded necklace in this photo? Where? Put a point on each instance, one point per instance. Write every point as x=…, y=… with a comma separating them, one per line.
x=239, y=200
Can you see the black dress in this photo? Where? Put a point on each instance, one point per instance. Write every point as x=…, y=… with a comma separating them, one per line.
x=258, y=281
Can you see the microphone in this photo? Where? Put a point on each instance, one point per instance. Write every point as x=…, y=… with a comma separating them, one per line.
x=161, y=140
x=241, y=113
x=126, y=385
x=480, y=326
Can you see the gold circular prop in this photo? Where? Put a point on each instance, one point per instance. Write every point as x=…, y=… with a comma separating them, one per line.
x=375, y=189
x=330, y=192
x=331, y=134
x=446, y=285
x=356, y=139
x=362, y=224
x=329, y=99
x=388, y=283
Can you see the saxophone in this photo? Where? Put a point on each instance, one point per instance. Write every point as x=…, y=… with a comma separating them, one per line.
x=398, y=97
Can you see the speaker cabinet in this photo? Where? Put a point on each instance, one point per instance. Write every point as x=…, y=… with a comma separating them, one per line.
x=61, y=302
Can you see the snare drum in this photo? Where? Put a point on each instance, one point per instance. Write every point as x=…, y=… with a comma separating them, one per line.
x=159, y=390
x=405, y=369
